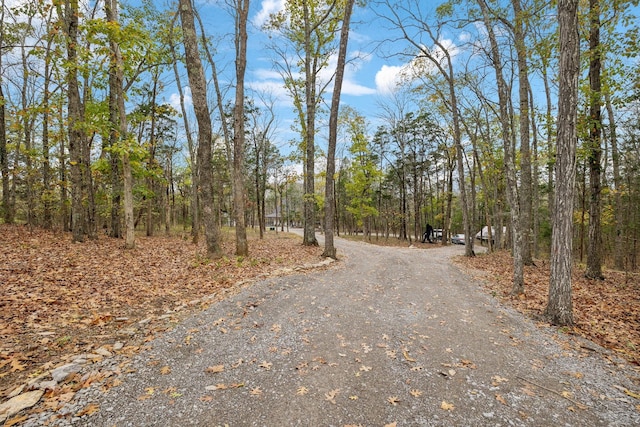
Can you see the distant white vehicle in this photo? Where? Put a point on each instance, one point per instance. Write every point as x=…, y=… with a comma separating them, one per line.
x=457, y=239
x=483, y=235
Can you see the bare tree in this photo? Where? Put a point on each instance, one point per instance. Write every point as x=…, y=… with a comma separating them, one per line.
x=509, y=155
x=407, y=18
x=329, y=205
x=241, y=13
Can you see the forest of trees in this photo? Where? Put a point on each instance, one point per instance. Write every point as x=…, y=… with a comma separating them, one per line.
x=469, y=137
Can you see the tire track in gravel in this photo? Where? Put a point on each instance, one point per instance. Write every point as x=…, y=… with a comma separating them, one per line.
x=387, y=335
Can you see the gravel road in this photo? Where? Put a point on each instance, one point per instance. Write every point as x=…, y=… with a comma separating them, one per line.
x=386, y=337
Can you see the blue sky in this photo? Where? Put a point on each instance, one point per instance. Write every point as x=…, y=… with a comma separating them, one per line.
x=369, y=78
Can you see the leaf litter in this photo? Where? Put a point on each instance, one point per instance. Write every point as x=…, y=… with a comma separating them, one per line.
x=60, y=299
x=605, y=311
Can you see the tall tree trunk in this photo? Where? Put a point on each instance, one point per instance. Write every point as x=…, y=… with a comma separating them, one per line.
x=198, y=84
x=559, y=308
x=47, y=192
x=151, y=181
x=195, y=214
x=75, y=119
x=7, y=208
x=118, y=118
x=509, y=158
x=309, y=198
x=242, y=11
x=526, y=188
x=618, y=250
x=329, y=205
x=26, y=125
x=594, y=244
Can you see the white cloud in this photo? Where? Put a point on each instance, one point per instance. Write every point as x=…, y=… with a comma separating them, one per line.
x=350, y=87
x=388, y=78
x=174, y=99
x=275, y=88
x=268, y=7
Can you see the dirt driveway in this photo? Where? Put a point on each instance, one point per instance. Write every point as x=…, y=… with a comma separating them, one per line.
x=386, y=337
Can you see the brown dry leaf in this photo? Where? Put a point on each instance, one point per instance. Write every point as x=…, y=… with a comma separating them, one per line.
x=601, y=307
x=256, y=391
x=165, y=370
x=16, y=366
x=215, y=369
x=266, y=365
x=364, y=368
x=415, y=393
x=468, y=364
x=331, y=396
x=206, y=398
x=447, y=406
x=405, y=353
x=302, y=391
x=57, y=279
x=15, y=420
x=90, y=409
x=567, y=394
x=393, y=400
x=220, y=386
x=354, y=397
x=496, y=380
x=500, y=399
x=393, y=424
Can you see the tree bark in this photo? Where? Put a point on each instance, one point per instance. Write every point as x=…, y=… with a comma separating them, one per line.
x=242, y=11
x=559, y=308
x=75, y=119
x=197, y=82
x=594, y=244
x=329, y=205
x=195, y=214
x=118, y=134
x=509, y=158
x=526, y=188
x=309, y=199
x=618, y=251
x=7, y=208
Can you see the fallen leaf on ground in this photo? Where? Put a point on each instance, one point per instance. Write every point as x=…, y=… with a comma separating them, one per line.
x=500, y=399
x=497, y=380
x=215, y=369
x=393, y=400
x=90, y=409
x=266, y=365
x=206, y=398
x=256, y=391
x=415, y=393
x=331, y=396
x=15, y=420
x=405, y=353
x=165, y=370
x=302, y=391
x=447, y=406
